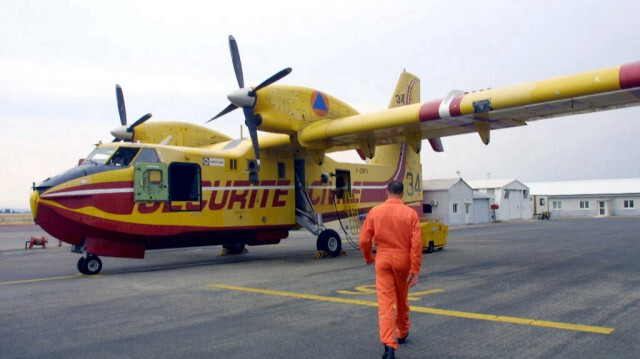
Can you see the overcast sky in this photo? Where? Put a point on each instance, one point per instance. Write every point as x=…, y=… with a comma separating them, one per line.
x=60, y=61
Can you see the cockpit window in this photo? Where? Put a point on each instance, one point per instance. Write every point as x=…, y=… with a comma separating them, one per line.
x=99, y=156
x=123, y=156
x=148, y=155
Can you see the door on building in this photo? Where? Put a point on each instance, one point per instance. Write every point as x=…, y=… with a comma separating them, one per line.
x=602, y=208
x=481, y=211
x=467, y=207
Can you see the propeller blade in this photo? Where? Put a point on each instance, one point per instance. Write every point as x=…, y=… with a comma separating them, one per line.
x=271, y=80
x=235, y=57
x=228, y=109
x=121, y=109
x=140, y=121
x=252, y=125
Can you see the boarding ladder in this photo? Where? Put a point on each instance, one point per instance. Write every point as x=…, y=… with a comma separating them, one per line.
x=305, y=214
x=350, y=207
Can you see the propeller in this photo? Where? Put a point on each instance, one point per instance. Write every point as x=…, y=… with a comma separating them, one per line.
x=245, y=97
x=124, y=132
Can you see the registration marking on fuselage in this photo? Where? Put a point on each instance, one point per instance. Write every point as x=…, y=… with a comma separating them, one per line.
x=434, y=311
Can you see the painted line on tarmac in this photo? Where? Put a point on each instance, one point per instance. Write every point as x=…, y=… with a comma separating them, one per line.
x=371, y=289
x=45, y=279
x=449, y=313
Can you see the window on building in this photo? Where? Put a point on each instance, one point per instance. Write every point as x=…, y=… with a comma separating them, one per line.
x=455, y=208
x=584, y=204
x=629, y=203
x=557, y=204
x=542, y=201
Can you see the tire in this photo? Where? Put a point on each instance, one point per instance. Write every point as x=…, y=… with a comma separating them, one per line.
x=81, y=265
x=234, y=248
x=329, y=241
x=430, y=247
x=92, y=265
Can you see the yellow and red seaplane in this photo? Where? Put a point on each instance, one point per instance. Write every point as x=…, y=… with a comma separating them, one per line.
x=175, y=184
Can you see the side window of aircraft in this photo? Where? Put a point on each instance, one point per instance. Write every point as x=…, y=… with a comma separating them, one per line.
x=233, y=164
x=148, y=155
x=123, y=156
x=184, y=182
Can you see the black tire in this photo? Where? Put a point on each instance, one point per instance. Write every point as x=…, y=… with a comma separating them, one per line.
x=329, y=241
x=81, y=265
x=92, y=265
x=234, y=248
x=430, y=247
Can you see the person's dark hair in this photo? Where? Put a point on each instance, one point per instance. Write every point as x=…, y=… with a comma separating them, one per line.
x=395, y=187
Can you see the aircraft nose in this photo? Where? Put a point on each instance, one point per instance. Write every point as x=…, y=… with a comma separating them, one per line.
x=34, y=201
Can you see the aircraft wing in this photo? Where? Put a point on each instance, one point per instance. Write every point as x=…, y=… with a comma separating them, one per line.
x=481, y=111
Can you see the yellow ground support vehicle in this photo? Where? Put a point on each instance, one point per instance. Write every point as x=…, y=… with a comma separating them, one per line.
x=434, y=233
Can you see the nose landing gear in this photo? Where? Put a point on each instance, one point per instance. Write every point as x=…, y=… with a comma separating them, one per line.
x=89, y=265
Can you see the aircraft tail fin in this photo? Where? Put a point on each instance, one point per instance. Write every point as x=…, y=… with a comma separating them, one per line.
x=407, y=90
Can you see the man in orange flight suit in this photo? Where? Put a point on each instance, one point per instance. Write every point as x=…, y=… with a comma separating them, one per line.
x=395, y=228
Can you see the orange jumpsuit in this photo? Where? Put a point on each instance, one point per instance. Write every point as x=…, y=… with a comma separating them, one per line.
x=395, y=228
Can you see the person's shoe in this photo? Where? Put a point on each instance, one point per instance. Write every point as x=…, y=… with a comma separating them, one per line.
x=403, y=339
x=389, y=353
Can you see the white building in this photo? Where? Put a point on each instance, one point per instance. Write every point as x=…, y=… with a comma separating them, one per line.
x=454, y=201
x=511, y=196
x=594, y=198
x=449, y=199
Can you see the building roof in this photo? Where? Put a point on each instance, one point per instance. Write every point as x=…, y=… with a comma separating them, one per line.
x=590, y=187
x=493, y=183
x=441, y=184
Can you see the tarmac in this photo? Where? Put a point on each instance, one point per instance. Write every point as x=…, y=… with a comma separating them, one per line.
x=564, y=288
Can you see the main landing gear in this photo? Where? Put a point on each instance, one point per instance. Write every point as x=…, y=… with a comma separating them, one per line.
x=233, y=248
x=329, y=242
x=89, y=265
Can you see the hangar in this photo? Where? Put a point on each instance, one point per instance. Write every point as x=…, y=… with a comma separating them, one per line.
x=511, y=196
x=592, y=198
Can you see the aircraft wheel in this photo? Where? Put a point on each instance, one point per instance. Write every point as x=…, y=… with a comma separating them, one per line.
x=329, y=241
x=234, y=248
x=81, y=265
x=91, y=265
